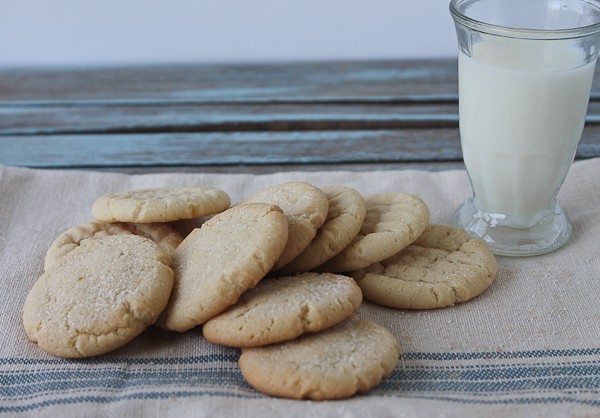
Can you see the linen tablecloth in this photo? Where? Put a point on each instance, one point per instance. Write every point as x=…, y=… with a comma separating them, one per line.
x=528, y=346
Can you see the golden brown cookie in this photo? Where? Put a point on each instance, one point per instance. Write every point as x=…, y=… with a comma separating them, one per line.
x=305, y=208
x=443, y=267
x=164, y=235
x=216, y=263
x=393, y=221
x=283, y=308
x=160, y=205
x=347, y=210
x=343, y=360
x=99, y=296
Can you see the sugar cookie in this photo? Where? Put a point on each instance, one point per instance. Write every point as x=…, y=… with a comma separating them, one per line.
x=283, y=308
x=99, y=296
x=305, y=208
x=160, y=205
x=164, y=235
x=393, y=221
x=229, y=254
x=347, y=210
x=338, y=362
x=443, y=267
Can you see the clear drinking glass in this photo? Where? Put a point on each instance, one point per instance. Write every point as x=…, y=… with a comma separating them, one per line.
x=525, y=74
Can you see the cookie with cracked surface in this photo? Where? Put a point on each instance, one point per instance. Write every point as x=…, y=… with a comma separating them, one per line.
x=283, y=308
x=305, y=207
x=441, y=268
x=215, y=264
x=160, y=204
x=349, y=358
x=164, y=235
x=99, y=296
x=347, y=210
x=393, y=221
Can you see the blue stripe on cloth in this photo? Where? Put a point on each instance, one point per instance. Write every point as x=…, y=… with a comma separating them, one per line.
x=524, y=377
x=487, y=379
x=116, y=360
x=488, y=355
x=38, y=383
x=508, y=373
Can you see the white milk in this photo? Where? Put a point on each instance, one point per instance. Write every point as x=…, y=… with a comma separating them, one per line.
x=520, y=123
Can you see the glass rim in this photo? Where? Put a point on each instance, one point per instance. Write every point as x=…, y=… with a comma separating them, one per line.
x=514, y=32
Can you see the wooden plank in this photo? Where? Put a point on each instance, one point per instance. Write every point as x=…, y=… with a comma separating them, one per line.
x=234, y=83
x=42, y=120
x=245, y=148
x=90, y=119
x=275, y=168
x=205, y=149
x=248, y=81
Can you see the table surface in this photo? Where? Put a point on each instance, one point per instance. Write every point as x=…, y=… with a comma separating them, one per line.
x=254, y=118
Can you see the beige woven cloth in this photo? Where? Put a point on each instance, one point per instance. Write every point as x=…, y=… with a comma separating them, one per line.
x=529, y=346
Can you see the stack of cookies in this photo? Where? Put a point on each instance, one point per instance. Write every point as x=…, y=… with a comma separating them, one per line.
x=280, y=275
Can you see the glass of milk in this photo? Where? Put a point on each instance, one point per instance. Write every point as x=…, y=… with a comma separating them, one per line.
x=525, y=74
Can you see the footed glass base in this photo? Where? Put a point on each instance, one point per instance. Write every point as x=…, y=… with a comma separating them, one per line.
x=547, y=235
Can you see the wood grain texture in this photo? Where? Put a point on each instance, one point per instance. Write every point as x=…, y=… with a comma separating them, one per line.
x=219, y=118
x=234, y=82
x=224, y=148
x=240, y=118
x=246, y=148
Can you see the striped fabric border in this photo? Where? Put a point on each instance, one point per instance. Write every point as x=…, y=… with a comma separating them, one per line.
x=522, y=377
x=518, y=377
